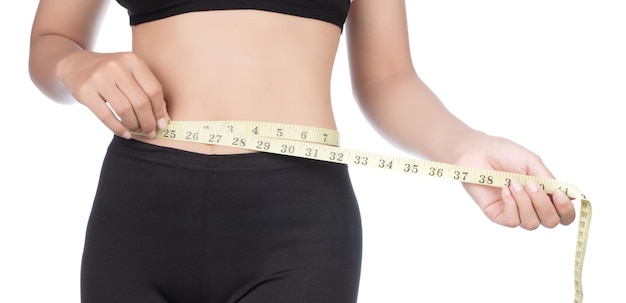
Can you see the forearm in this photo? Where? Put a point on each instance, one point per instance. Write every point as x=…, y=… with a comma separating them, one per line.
x=411, y=116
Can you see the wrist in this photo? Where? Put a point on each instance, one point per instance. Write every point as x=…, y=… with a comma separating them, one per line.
x=66, y=64
x=465, y=142
x=66, y=69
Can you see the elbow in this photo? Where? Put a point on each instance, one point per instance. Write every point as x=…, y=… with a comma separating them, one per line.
x=368, y=90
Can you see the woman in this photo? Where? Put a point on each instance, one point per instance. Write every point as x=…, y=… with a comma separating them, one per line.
x=176, y=221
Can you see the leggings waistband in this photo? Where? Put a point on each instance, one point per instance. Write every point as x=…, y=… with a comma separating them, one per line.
x=143, y=151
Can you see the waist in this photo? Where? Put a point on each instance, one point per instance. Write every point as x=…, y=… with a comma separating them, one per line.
x=316, y=113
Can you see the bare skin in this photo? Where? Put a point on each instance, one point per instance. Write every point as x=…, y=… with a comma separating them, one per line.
x=255, y=65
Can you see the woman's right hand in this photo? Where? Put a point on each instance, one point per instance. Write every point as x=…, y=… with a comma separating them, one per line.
x=121, y=80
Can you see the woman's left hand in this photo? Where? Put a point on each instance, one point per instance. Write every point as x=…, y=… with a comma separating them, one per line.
x=517, y=205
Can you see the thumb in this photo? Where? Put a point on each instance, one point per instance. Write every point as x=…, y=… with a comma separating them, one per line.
x=537, y=168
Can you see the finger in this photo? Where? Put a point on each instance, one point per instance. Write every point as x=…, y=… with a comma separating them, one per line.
x=509, y=215
x=121, y=106
x=140, y=105
x=546, y=211
x=564, y=207
x=528, y=217
x=99, y=107
x=154, y=92
x=110, y=92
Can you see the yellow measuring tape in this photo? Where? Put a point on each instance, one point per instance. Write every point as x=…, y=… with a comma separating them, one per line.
x=323, y=144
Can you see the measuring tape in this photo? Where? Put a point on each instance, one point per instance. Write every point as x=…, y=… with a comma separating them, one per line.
x=323, y=144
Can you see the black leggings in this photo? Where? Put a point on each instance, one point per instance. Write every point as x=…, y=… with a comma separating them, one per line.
x=179, y=227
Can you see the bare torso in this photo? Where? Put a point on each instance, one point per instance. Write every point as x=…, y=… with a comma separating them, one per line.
x=240, y=65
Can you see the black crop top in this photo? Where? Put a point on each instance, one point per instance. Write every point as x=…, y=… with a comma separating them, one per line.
x=333, y=11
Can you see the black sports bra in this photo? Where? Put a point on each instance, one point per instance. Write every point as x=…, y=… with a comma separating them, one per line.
x=333, y=11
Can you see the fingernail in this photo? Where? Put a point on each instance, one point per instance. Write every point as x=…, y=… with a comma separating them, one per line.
x=152, y=135
x=532, y=186
x=127, y=135
x=516, y=186
x=162, y=124
x=560, y=196
x=506, y=191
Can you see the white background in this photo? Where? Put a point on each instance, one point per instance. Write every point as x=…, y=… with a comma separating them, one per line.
x=547, y=74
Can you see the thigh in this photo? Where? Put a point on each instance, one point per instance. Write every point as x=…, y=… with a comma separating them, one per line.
x=307, y=285
x=140, y=243
x=298, y=234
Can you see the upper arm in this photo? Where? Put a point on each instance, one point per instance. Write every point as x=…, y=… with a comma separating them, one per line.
x=61, y=27
x=377, y=40
x=76, y=20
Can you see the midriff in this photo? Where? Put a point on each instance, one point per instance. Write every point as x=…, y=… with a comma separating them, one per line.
x=240, y=65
